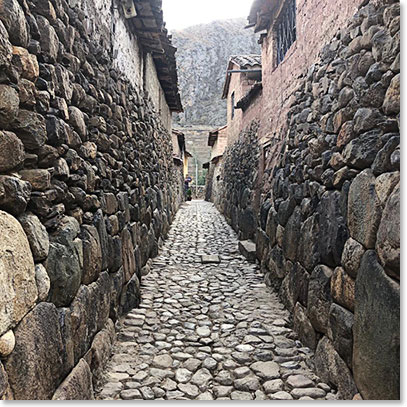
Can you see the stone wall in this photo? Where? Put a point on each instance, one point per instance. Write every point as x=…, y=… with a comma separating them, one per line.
x=239, y=179
x=87, y=191
x=328, y=230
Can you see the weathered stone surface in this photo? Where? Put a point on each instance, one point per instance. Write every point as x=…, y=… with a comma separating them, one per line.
x=291, y=231
x=77, y=120
x=64, y=263
x=303, y=326
x=299, y=381
x=332, y=369
x=351, y=256
x=48, y=39
x=12, y=16
x=376, y=332
x=40, y=180
x=333, y=232
x=37, y=235
x=129, y=261
x=30, y=129
x=92, y=254
x=340, y=332
x=266, y=370
x=366, y=119
x=43, y=282
x=319, y=297
x=26, y=63
x=388, y=235
x=37, y=357
x=14, y=194
x=343, y=288
x=9, y=102
x=4, y=386
x=11, y=151
x=130, y=297
x=364, y=209
x=78, y=385
x=361, y=152
x=248, y=249
x=391, y=104
x=7, y=343
x=308, y=245
x=17, y=274
x=383, y=162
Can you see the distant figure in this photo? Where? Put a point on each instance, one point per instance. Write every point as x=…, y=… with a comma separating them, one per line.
x=188, y=192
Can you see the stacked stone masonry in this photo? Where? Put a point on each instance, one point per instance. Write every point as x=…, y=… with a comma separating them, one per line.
x=87, y=190
x=328, y=224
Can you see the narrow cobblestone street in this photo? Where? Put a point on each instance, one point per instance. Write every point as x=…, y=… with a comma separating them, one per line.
x=208, y=331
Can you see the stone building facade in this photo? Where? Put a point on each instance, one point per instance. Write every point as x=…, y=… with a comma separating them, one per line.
x=88, y=187
x=315, y=182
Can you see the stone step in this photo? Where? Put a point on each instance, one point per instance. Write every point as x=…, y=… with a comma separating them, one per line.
x=248, y=249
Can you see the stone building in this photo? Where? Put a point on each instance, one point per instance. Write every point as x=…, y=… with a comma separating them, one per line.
x=88, y=186
x=217, y=140
x=315, y=182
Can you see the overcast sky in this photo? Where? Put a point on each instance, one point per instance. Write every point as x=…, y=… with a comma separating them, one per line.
x=184, y=13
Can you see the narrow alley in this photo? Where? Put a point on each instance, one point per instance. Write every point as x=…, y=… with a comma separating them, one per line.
x=207, y=331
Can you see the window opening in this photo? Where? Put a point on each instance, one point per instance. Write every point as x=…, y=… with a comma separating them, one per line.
x=286, y=32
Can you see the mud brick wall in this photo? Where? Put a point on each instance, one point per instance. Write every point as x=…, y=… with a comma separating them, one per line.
x=87, y=190
x=328, y=230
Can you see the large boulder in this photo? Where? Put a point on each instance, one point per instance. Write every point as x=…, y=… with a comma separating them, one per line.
x=92, y=254
x=35, y=367
x=292, y=235
x=12, y=16
x=333, y=370
x=78, y=384
x=376, y=332
x=308, y=244
x=340, y=332
x=333, y=232
x=17, y=274
x=303, y=327
x=64, y=263
x=319, y=297
x=364, y=209
x=388, y=236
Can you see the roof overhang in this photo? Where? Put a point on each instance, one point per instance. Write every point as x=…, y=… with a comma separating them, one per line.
x=246, y=69
x=149, y=27
x=262, y=13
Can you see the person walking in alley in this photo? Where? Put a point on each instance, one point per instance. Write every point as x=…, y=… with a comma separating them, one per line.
x=188, y=192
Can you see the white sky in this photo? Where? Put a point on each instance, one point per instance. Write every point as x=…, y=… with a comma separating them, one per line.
x=179, y=14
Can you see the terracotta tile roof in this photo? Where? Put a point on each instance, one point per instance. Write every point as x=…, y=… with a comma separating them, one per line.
x=245, y=61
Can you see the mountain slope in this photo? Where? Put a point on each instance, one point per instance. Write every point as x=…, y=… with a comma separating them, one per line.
x=202, y=56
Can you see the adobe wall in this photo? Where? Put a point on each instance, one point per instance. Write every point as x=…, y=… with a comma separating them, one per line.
x=328, y=230
x=317, y=22
x=87, y=190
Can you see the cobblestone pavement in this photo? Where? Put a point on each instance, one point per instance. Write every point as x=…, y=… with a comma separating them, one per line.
x=207, y=331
